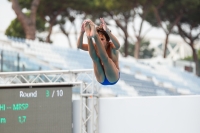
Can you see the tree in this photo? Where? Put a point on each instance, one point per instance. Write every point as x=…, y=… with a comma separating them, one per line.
x=162, y=11
x=67, y=32
x=144, y=53
x=145, y=6
x=190, y=58
x=28, y=22
x=49, y=13
x=15, y=28
x=188, y=28
x=122, y=20
x=59, y=13
x=125, y=13
x=121, y=13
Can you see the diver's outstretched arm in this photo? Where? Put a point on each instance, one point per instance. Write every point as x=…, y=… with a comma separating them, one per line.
x=112, y=37
x=80, y=39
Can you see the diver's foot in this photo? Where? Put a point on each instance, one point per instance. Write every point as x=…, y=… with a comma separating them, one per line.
x=87, y=29
x=93, y=31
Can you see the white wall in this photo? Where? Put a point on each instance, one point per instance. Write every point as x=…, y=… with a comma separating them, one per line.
x=168, y=114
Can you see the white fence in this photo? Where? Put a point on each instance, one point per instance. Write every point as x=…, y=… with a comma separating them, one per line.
x=168, y=114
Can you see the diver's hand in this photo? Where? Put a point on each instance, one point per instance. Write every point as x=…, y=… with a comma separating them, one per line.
x=83, y=26
x=103, y=24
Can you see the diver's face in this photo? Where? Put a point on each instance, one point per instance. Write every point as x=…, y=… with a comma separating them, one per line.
x=103, y=39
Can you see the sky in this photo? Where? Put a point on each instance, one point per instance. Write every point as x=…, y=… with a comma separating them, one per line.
x=6, y=14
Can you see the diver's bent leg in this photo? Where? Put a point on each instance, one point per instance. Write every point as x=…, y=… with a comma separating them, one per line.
x=91, y=49
x=98, y=69
x=111, y=71
x=100, y=47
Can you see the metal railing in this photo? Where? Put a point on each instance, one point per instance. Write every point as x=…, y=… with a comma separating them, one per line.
x=83, y=78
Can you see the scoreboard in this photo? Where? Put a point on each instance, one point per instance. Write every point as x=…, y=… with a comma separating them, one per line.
x=36, y=109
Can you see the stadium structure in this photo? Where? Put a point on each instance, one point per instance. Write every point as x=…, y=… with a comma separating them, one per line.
x=137, y=78
x=95, y=107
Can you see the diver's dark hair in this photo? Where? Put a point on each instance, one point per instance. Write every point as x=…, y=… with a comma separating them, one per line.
x=102, y=31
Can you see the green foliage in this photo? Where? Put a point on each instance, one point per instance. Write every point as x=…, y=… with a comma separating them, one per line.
x=40, y=24
x=24, y=3
x=170, y=10
x=190, y=58
x=15, y=29
x=145, y=51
